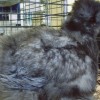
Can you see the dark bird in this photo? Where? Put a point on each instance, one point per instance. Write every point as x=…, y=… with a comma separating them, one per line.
x=57, y=64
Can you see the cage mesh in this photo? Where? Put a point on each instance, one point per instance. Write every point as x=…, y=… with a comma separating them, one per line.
x=29, y=13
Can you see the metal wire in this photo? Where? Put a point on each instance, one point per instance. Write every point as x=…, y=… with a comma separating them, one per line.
x=33, y=13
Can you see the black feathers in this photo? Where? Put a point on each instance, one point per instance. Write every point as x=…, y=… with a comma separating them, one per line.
x=84, y=17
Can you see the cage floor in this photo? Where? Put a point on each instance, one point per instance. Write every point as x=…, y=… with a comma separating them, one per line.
x=97, y=93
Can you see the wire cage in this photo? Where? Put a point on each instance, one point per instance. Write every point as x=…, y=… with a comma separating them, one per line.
x=19, y=14
x=29, y=13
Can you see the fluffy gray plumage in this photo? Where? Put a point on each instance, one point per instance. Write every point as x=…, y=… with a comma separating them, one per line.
x=56, y=64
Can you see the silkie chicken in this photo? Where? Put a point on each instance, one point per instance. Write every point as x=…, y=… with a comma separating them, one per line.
x=57, y=64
